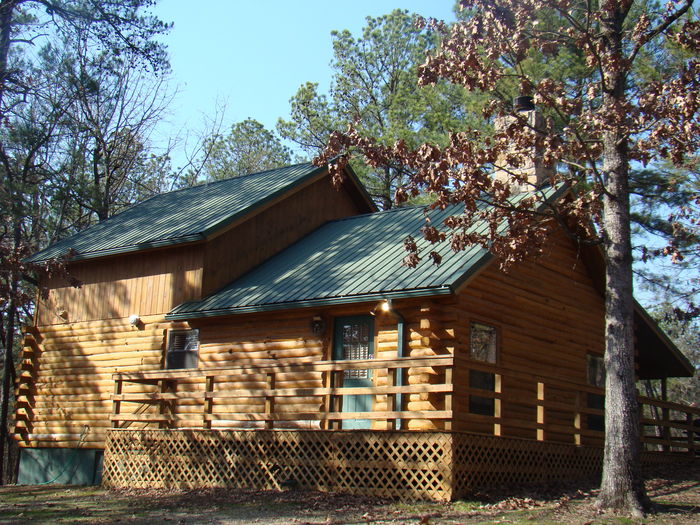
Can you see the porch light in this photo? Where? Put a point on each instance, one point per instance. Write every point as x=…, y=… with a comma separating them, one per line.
x=134, y=320
x=318, y=325
x=385, y=306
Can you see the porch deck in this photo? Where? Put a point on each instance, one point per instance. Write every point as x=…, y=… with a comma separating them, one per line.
x=246, y=426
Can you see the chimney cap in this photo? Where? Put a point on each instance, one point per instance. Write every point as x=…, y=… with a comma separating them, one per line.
x=523, y=103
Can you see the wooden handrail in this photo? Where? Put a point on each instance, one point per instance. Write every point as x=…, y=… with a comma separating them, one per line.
x=263, y=368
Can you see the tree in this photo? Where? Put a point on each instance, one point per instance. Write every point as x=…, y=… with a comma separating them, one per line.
x=109, y=159
x=374, y=86
x=664, y=205
x=30, y=119
x=597, y=127
x=248, y=148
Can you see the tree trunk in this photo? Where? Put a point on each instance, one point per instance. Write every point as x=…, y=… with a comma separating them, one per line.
x=7, y=375
x=7, y=8
x=622, y=487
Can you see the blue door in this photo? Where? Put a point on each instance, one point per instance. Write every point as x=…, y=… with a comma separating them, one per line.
x=354, y=339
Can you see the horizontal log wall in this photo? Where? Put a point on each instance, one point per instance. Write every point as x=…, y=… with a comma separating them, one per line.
x=66, y=383
x=549, y=317
x=63, y=397
x=132, y=284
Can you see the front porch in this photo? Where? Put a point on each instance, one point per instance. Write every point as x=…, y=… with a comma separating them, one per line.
x=280, y=425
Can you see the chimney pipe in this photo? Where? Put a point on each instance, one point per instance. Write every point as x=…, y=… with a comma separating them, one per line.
x=534, y=170
x=523, y=103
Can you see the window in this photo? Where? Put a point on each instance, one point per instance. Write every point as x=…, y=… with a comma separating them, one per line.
x=353, y=340
x=483, y=346
x=183, y=349
x=596, y=370
x=596, y=377
x=483, y=342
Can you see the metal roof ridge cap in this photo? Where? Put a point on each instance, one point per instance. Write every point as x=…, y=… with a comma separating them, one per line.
x=228, y=179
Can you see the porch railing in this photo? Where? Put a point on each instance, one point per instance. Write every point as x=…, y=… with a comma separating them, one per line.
x=545, y=408
x=249, y=396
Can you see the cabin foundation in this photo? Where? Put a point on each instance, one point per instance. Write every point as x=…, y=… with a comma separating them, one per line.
x=405, y=465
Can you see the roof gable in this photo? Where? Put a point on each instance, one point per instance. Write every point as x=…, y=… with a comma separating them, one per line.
x=180, y=216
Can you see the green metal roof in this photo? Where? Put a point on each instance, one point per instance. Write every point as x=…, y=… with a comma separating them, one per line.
x=353, y=259
x=350, y=260
x=180, y=216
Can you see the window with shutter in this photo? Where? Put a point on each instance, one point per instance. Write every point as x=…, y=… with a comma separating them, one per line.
x=596, y=377
x=183, y=349
x=483, y=346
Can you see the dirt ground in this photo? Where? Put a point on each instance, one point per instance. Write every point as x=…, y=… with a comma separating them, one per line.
x=675, y=493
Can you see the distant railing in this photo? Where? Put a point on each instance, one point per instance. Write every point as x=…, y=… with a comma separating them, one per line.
x=259, y=396
x=245, y=396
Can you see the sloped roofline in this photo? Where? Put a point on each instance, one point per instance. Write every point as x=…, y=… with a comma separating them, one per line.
x=226, y=221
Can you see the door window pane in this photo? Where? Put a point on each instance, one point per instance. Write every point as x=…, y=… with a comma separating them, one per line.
x=356, y=343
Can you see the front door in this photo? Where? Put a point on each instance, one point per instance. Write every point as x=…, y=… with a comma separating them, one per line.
x=354, y=339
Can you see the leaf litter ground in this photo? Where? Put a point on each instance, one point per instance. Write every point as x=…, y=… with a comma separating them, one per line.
x=674, y=491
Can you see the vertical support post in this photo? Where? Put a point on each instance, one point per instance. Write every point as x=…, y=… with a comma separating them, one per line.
x=498, y=390
x=208, y=401
x=167, y=406
x=327, y=405
x=540, y=411
x=665, y=429
x=448, y=397
x=269, y=400
x=577, y=418
x=391, y=401
x=691, y=433
x=116, y=404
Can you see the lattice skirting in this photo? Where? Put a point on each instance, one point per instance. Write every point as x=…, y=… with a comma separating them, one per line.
x=406, y=465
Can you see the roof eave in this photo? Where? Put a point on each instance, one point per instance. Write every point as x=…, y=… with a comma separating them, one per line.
x=187, y=239
x=311, y=303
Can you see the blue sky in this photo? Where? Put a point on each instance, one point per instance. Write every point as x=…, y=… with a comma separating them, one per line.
x=253, y=56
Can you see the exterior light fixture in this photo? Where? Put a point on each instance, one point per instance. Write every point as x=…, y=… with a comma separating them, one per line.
x=318, y=325
x=384, y=306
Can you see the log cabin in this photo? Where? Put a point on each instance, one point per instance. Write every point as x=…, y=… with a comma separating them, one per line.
x=262, y=330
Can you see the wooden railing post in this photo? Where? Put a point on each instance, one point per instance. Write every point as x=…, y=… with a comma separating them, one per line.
x=448, y=397
x=577, y=418
x=326, y=405
x=208, y=401
x=269, y=400
x=391, y=398
x=498, y=390
x=665, y=429
x=116, y=404
x=691, y=432
x=540, y=411
x=166, y=407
